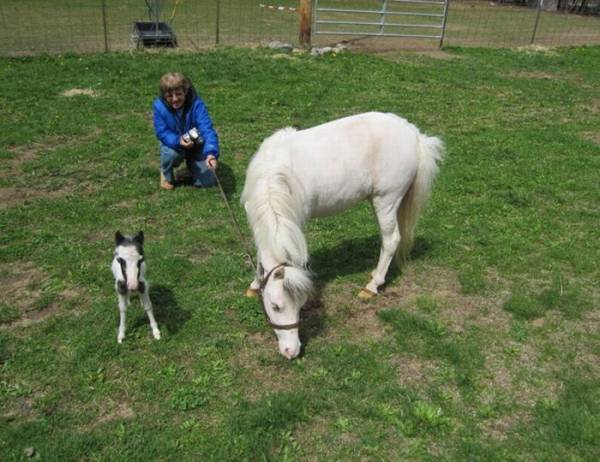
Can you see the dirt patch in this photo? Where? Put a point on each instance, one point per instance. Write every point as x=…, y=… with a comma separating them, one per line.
x=22, y=285
x=28, y=152
x=19, y=409
x=342, y=315
x=533, y=49
x=499, y=429
x=582, y=336
x=364, y=323
x=414, y=372
x=16, y=196
x=534, y=75
x=594, y=137
x=33, y=317
x=23, y=154
x=456, y=310
x=403, y=54
x=517, y=376
x=594, y=106
x=11, y=197
x=116, y=411
x=79, y=91
x=393, y=47
x=263, y=369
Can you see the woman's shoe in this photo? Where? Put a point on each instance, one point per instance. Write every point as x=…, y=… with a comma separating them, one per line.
x=164, y=184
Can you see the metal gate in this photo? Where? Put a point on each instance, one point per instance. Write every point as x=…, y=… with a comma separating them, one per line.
x=388, y=18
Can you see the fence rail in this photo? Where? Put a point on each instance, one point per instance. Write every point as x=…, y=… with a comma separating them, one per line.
x=423, y=19
x=30, y=27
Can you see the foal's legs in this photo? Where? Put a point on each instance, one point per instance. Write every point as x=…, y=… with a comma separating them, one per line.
x=385, y=210
x=123, y=302
x=147, y=304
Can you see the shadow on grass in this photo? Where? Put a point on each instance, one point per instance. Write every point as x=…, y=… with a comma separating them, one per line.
x=224, y=174
x=357, y=256
x=350, y=256
x=167, y=312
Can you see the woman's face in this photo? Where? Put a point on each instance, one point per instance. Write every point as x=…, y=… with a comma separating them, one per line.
x=175, y=98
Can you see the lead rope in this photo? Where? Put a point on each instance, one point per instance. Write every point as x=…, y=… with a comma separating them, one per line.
x=245, y=248
x=235, y=222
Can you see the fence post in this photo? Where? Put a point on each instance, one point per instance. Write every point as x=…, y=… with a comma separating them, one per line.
x=218, y=20
x=443, y=33
x=537, y=20
x=105, y=26
x=305, y=21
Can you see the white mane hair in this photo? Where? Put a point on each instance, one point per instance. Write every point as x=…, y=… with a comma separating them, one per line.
x=298, y=283
x=274, y=203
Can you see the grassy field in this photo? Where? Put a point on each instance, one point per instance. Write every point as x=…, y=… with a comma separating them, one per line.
x=484, y=347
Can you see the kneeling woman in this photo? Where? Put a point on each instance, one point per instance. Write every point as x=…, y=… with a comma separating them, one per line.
x=185, y=131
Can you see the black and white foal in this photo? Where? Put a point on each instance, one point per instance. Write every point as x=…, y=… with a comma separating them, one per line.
x=128, y=267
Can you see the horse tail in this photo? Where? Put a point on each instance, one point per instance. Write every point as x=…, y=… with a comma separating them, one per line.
x=430, y=152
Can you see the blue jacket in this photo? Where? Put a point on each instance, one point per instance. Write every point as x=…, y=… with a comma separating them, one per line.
x=169, y=126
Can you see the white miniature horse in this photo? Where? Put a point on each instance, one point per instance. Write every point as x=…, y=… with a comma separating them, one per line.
x=129, y=267
x=296, y=175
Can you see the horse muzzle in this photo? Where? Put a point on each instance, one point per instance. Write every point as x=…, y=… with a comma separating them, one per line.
x=135, y=286
x=289, y=343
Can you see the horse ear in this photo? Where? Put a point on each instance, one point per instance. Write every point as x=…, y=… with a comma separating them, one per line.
x=119, y=238
x=139, y=237
x=279, y=274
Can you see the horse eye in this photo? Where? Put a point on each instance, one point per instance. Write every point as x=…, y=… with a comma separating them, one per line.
x=121, y=261
x=276, y=307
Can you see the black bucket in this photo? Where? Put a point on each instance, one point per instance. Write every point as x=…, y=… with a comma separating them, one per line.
x=153, y=34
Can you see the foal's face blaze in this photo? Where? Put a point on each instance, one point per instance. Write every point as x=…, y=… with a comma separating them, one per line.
x=282, y=310
x=130, y=266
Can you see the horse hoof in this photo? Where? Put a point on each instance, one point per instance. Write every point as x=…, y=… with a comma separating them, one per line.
x=366, y=294
x=251, y=293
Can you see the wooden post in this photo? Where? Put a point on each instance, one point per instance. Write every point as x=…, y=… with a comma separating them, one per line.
x=537, y=20
x=218, y=23
x=104, y=25
x=305, y=20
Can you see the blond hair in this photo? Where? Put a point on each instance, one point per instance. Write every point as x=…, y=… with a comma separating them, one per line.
x=173, y=81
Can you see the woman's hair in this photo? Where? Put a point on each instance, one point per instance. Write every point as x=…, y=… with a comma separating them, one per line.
x=174, y=81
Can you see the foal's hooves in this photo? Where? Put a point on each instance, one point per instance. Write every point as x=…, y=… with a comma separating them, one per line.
x=366, y=294
x=251, y=293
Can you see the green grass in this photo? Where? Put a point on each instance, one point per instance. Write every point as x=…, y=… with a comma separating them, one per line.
x=484, y=347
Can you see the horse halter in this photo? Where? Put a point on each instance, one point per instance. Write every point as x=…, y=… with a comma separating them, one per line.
x=262, y=301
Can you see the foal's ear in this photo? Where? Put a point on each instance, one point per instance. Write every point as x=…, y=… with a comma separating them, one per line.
x=119, y=238
x=279, y=274
x=139, y=237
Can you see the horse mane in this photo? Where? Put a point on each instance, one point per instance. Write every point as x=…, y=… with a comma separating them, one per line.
x=298, y=283
x=274, y=202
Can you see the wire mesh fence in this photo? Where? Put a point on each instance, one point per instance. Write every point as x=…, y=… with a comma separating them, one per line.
x=485, y=23
x=59, y=26
x=82, y=26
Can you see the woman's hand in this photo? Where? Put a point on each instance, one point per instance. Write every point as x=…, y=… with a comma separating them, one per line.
x=186, y=144
x=212, y=162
